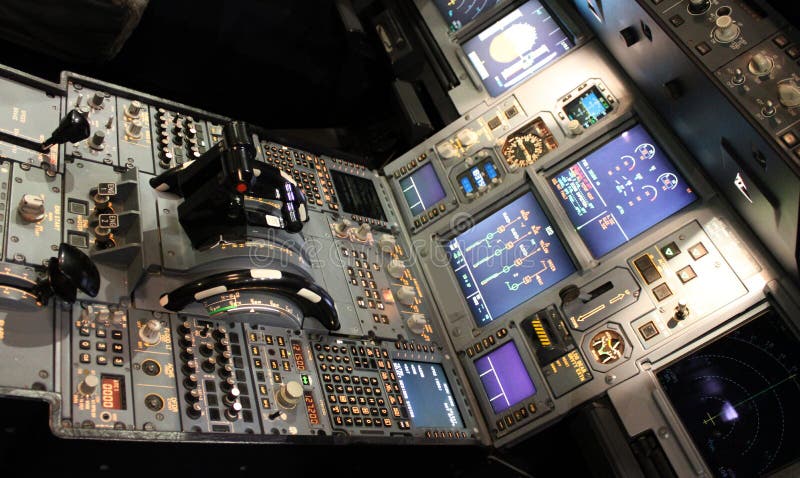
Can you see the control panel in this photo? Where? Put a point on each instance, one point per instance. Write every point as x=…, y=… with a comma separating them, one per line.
x=171, y=274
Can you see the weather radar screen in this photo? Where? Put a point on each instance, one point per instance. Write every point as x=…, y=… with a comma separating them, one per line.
x=515, y=47
x=507, y=258
x=459, y=13
x=621, y=190
x=738, y=398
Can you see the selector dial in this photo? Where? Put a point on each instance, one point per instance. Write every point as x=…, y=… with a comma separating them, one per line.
x=289, y=394
x=387, y=243
x=467, y=137
x=31, y=208
x=406, y=295
x=523, y=150
x=362, y=233
x=89, y=385
x=150, y=333
x=760, y=65
x=396, y=268
x=726, y=30
x=416, y=323
x=789, y=93
x=698, y=7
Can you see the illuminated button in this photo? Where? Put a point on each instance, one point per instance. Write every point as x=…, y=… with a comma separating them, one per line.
x=532, y=407
x=85, y=344
x=780, y=41
x=486, y=343
x=698, y=250
x=84, y=331
x=116, y=334
x=442, y=207
x=702, y=48
x=524, y=412
x=790, y=139
x=676, y=20
x=502, y=333
x=100, y=333
x=670, y=250
x=102, y=360
x=478, y=347
x=518, y=416
x=648, y=330
x=793, y=52
x=118, y=362
x=509, y=419
x=117, y=348
x=662, y=291
x=686, y=274
x=101, y=346
x=491, y=340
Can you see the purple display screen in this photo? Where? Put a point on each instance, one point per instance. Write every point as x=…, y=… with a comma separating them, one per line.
x=422, y=189
x=620, y=190
x=504, y=377
x=515, y=47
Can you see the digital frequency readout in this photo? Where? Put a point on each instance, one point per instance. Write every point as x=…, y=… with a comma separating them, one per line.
x=507, y=258
x=620, y=190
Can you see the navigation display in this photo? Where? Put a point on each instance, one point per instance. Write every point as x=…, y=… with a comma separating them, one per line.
x=459, y=13
x=427, y=394
x=515, y=47
x=507, y=258
x=621, y=190
x=422, y=189
x=738, y=397
x=504, y=377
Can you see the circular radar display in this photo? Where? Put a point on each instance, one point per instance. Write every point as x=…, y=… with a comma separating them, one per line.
x=738, y=398
x=521, y=151
x=607, y=347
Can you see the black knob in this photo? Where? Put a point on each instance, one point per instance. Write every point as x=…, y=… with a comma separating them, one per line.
x=228, y=384
x=226, y=371
x=187, y=354
x=223, y=344
x=206, y=350
x=231, y=397
x=220, y=332
x=72, y=128
x=569, y=294
x=697, y=7
x=185, y=341
x=70, y=271
x=189, y=367
x=194, y=411
x=193, y=395
x=190, y=382
x=225, y=357
x=209, y=365
x=232, y=412
x=185, y=327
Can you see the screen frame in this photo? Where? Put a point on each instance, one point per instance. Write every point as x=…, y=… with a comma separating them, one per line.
x=453, y=390
x=576, y=242
x=415, y=171
x=512, y=196
x=664, y=404
x=397, y=171
x=477, y=27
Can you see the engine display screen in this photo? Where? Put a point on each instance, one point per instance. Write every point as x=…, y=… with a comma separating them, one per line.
x=422, y=189
x=112, y=392
x=427, y=394
x=738, y=398
x=621, y=190
x=504, y=377
x=588, y=108
x=357, y=195
x=459, y=13
x=516, y=46
x=507, y=258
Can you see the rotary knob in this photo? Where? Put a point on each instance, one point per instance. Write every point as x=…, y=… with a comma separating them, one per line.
x=289, y=394
x=134, y=109
x=96, y=101
x=150, y=333
x=760, y=65
x=726, y=30
x=232, y=412
x=362, y=233
x=97, y=141
x=396, y=268
x=447, y=150
x=698, y=7
x=31, y=208
x=406, y=295
x=416, y=323
x=789, y=93
x=342, y=227
x=134, y=129
x=231, y=397
x=681, y=311
x=387, y=243
x=467, y=137
x=88, y=385
x=575, y=127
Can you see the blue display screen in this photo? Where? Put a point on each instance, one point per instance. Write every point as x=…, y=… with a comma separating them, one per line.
x=490, y=171
x=507, y=258
x=458, y=13
x=588, y=108
x=504, y=377
x=422, y=189
x=427, y=394
x=516, y=46
x=620, y=190
x=467, y=185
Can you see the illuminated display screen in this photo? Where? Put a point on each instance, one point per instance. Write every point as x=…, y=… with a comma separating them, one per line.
x=357, y=195
x=516, y=46
x=588, y=108
x=112, y=392
x=311, y=408
x=477, y=177
x=427, y=394
x=507, y=258
x=459, y=13
x=620, y=190
x=737, y=398
x=504, y=377
x=299, y=359
x=422, y=189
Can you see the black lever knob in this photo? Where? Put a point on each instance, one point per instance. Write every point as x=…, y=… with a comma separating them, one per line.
x=72, y=128
x=70, y=271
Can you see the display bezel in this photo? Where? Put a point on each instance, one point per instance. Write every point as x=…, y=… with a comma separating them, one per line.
x=462, y=227
x=413, y=172
x=397, y=171
x=465, y=35
x=597, y=144
x=662, y=400
x=453, y=394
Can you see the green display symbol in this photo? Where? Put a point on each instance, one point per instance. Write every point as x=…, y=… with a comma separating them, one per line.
x=305, y=380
